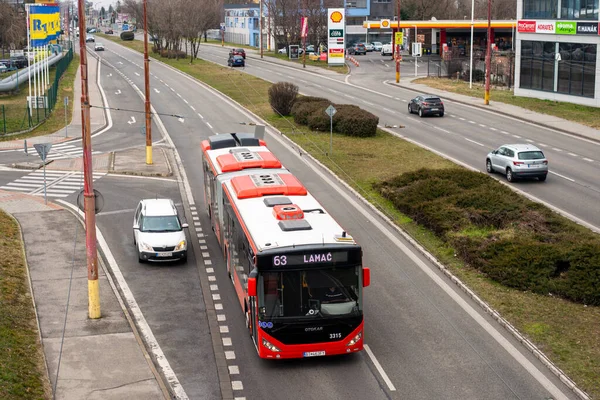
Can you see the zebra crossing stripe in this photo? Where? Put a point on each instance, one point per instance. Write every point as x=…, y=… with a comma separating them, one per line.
x=58, y=183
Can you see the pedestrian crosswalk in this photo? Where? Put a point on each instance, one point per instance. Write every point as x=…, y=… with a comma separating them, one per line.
x=58, y=183
x=61, y=151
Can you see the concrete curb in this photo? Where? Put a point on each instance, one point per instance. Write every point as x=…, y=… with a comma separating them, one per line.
x=111, y=167
x=449, y=96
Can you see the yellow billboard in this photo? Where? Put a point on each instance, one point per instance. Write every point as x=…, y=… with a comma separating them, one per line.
x=44, y=24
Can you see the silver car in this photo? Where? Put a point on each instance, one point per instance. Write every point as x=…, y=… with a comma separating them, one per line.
x=518, y=161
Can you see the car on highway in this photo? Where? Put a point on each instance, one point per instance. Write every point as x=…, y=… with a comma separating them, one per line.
x=236, y=61
x=238, y=52
x=518, y=161
x=89, y=38
x=387, y=49
x=369, y=46
x=357, y=48
x=426, y=104
x=99, y=47
x=158, y=233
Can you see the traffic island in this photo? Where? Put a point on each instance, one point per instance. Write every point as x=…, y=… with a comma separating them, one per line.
x=133, y=162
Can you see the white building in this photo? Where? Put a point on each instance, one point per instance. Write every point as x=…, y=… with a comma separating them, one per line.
x=557, y=55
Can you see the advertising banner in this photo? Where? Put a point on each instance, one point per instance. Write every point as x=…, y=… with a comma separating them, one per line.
x=336, y=41
x=304, y=27
x=526, y=26
x=566, y=27
x=545, y=26
x=44, y=24
x=587, y=28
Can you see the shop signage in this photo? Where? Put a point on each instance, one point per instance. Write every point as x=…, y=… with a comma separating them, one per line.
x=335, y=27
x=526, y=26
x=545, y=26
x=587, y=28
x=566, y=27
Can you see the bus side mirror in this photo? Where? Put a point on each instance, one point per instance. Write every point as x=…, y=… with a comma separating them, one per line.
x=252, y=287
x=366, y=276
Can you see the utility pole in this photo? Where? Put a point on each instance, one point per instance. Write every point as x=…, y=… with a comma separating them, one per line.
x=398, y=48
x=147, y=84
x=88, y=189
x=260, y=37
x=488, y=56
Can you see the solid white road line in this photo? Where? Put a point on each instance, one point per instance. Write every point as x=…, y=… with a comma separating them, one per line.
x=472, y=141
x=562, y=176
x=386, y=379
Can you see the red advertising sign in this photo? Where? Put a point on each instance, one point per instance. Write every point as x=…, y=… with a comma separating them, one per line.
x=526, y=26
x=545, y=27
x=304, y=27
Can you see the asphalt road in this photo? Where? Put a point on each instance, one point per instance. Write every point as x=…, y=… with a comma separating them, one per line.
x=427, y=340
x=465, y=133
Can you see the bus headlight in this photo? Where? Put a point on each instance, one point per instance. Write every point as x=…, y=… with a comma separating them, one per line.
x=355, y=339
x=270, y=346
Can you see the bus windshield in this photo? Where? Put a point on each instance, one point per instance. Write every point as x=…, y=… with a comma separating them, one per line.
x=324, y=292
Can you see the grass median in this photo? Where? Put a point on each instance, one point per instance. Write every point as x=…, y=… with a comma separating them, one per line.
x=584, y=115
x=22, y=369
x=16, y=106
x=567, y=332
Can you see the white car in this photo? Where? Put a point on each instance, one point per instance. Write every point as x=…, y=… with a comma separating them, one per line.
x=99, y=47
x=3, y=68
x=377, y=46
x=158, y=232
x=387, y=50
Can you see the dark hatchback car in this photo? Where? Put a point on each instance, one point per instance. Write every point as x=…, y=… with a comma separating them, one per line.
x=238, y=52
x=109, y=32
x=426, y=104
x=357, y=48
x=236, y=61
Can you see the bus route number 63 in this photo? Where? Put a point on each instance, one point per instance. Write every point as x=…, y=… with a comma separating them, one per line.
x=279, y=260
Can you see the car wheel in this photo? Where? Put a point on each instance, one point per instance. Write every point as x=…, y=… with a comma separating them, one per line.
x=421, y=112
x=409, y=109
x=488, y=166
x=509, y=175
x=140, y=259
x=441, y=114
x=542, y=178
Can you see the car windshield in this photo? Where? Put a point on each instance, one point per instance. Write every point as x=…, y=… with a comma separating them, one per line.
x=169, y=223
x=310, y=294
x=531, y=155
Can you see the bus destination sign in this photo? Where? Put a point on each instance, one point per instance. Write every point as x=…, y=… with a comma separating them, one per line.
x=326, y=257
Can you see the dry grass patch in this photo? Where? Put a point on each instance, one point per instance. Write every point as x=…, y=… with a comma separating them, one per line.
x=589, y=116
x=22, y=369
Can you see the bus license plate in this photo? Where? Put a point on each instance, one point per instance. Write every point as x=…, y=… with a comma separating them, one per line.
x=165, y=254
x=314, y=353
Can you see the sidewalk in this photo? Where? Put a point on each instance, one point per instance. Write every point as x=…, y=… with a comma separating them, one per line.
x=545, y=120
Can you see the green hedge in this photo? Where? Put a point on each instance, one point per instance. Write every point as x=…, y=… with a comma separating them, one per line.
x=349, y=120
x=127, y=35
x=514, y=241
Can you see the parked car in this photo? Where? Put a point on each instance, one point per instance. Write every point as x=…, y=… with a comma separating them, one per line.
x=518, y=161
x=310, y=49
x=9, y=65
x=19, y=61
x=99, y=47
x=3, y=68
x=369, y=46
x=377, y=46
x=426, y=104
x=236, y=61
x=89, y=38
x=357, y=48
x=158, y=232
x=108, y=32
x=237, y=52
x=387, y=49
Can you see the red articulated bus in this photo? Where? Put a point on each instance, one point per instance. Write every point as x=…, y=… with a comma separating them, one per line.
x=297, y=274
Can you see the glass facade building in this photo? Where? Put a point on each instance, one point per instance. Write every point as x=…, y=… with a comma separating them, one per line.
x=557, y=49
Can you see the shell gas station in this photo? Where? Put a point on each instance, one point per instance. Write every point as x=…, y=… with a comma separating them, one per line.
x=440, y=37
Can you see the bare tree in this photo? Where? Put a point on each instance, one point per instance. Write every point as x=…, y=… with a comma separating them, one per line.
x=197, y=19
x=13, y=29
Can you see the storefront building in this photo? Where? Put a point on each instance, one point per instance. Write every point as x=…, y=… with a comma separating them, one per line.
x=557, y=50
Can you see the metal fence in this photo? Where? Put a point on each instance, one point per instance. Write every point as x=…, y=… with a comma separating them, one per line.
x=19, y=118
x=502, y=71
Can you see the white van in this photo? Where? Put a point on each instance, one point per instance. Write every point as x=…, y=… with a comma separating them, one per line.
x=158, y=232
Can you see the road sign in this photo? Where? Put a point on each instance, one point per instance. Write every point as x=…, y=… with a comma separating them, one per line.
x=330, y=111
x=43, y=149
x=98, y=201
x=399, y=38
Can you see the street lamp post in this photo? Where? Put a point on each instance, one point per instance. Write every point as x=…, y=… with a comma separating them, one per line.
x=471, y=60
x=398, y=48
x=147, y=87
x=414, y=56
x=260, y=36
x=488, y=55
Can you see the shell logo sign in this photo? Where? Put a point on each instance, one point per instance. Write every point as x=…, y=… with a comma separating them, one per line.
x=385, y=23
x=336, y=17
